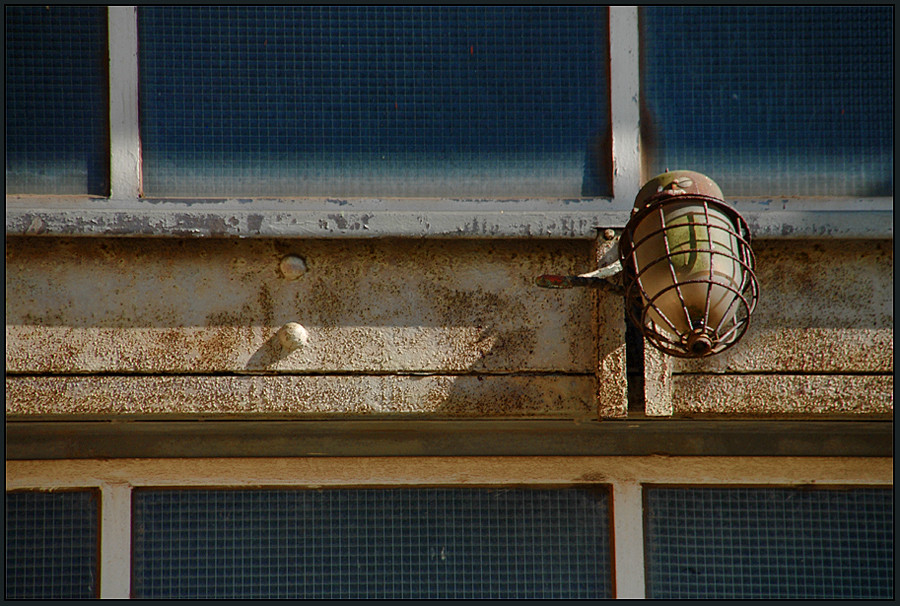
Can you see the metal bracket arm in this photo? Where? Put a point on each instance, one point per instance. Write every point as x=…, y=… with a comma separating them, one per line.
x=599, y=278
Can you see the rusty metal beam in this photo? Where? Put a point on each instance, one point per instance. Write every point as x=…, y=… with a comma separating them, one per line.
x=286, y=437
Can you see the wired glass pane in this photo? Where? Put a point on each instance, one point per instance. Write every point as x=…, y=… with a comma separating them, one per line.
x=57, y=102
x=51, y=545
x=387, y=101
x=372, y=543
x=771, y=100
x=769, y=543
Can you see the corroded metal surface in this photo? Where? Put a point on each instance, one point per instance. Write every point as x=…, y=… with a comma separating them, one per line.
x=824, y=306
x=508, y=396
x=782, y=394
x=209, y=306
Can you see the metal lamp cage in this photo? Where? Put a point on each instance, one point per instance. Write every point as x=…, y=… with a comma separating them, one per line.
x=703, y=339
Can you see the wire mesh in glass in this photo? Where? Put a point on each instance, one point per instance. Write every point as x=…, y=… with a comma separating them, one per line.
x=57, y=100
x=387, y=101
x=372, y=543
x=771, y=100
x=52, y=545
x=769, y=543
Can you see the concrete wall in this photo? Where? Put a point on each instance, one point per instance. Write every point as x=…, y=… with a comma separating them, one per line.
x=450, y=328
x=443, y=328
x=820, y=341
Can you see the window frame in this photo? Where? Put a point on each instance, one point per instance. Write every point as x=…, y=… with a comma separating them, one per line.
x=126, y=212
x=624, y=476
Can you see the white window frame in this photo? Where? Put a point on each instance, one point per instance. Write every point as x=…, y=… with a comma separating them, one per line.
x=127, y=213
x=116, y=478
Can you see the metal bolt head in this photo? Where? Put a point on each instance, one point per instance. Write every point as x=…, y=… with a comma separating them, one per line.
x=292, y=335
x=609, y=234
x=292, y=267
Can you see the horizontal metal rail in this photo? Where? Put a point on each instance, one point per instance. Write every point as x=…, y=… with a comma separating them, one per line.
x=286, y=437
x=338, y=218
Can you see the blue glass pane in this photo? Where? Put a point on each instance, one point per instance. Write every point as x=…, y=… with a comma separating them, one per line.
x=51, y=545
x=772, y=101
x=57, y=102
x=374, y=101
x=768, y=543
x=372, y=543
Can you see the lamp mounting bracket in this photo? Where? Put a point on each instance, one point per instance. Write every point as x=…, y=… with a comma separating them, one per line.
x=610, y=267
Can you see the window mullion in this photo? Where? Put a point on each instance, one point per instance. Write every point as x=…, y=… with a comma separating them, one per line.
x=624, y=83
x=115, y=541
x=124, y=132
x=628, y=539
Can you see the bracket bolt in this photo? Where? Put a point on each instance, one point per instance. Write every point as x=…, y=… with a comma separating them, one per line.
x=292, y=267
x=609, y=234
x=292, y=335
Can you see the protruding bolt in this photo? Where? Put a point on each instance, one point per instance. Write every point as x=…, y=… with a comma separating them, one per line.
x=292, y=267
x=609, y=234
x=36, y=226
x=292, y=335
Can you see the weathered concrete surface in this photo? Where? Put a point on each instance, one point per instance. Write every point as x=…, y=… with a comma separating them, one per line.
x=612, y=395
x=782, y=394
x=820, y=342
x=657, y=382
x=824, y=306
x=508, y=396
x=443, y=328
x=202, y=306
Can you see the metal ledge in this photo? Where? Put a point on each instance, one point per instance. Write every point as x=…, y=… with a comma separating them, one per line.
x=329, y=218
x=310, y=438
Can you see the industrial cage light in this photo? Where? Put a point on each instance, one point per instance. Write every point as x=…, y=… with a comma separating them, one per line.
x=687, y=267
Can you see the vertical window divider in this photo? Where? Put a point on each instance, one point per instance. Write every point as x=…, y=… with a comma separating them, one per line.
x=124, y=131
x=628, y=539
x=624, y=103
x=115, y=540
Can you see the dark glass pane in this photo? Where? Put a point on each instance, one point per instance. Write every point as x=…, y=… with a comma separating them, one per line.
x=772, y=101
x=769, y=543
x=374, y=101
x=51, y=545
x=57, y=100
x=372, y=543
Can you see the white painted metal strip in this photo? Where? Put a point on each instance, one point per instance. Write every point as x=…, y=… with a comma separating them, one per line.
x=124, y=132
x=624, y=96
x=628, y=532
x=306, y=219
x=115, y=541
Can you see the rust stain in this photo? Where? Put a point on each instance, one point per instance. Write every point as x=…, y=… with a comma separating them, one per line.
x=593, y=477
